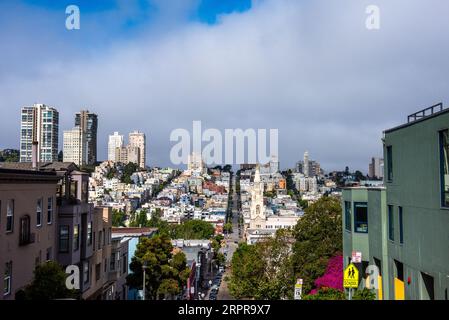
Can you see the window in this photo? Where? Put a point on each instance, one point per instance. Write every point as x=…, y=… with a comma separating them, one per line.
x=124, y=264
x=50, y=210
x=7, y=278
x=105, y=265
x=10, y=216
x=444, y=164
x=390, y=163
x=49, y=254
x=361, y=217
x=401, y=227
x=39, y=213
x=390, y=223
x=86, y=272
x=84, y=191
x=112, y=261
x=76, y=237
x=89, y=233
x=348, y=216
x=74, y=189
x=97, y=271
x=100, y=236
x=24, y=235
x=64, y=239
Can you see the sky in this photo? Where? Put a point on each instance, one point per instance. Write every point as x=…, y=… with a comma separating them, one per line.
x=310, y=69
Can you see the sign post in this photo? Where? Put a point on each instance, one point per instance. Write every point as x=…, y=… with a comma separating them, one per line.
x=351, y=278
x=298, y=289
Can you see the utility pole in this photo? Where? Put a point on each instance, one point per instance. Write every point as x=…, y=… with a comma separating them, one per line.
x=144, y=267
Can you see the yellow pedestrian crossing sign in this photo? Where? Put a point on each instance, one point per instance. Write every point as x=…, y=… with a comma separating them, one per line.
x=351, y=277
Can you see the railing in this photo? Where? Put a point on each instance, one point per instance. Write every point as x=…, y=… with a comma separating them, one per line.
x=425, y=112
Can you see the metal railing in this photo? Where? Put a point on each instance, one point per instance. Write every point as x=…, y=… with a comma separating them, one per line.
x=425, y=112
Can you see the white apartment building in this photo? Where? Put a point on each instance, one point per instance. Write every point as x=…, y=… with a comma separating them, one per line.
x=75, y=146
x=115, y=141
x=39, y=123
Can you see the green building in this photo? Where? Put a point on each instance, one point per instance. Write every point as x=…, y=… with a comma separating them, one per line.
x=403, y=227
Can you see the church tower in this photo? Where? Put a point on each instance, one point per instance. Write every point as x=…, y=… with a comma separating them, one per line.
x=257, y=209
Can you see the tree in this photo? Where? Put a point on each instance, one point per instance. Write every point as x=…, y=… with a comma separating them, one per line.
x=326, y=294
x=157, y=222
x=359, y=176
x=112, y=172
x=220, y=258
x=128, y=171
x=263, y=270
x=318, y=237
x=140, y=219
x=303, y=203
x=364, y=294
x=227, y=227
x=118, y=218
x=164, y=268
x=193, y=229
x=49, y=283
x=333, y=277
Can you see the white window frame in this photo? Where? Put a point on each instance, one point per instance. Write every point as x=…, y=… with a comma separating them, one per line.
x=39, y=212
x=50, y=210
x=10, y=215
x=7, y=279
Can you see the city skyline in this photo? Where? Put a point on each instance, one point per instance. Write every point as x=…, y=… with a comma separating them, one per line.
x=330, y=88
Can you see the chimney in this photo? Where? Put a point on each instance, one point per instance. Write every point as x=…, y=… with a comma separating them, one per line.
x=34, y=158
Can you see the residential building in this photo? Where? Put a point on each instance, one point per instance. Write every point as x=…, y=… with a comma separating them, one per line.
x=196, y=164
x=132, y=237
x=376, y=168
x=138, y=140
x=39, y=123
x=115, y=141
x=88, y=122
x=309, y=168
x=306, y=164
x=128, y=154
x=403, y=228
x=27, y=226
x=75, y=146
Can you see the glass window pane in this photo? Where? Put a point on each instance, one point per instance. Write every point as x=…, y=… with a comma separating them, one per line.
x=361, y=217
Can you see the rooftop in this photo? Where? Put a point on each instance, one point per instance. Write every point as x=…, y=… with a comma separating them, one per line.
x=422, y=115
x=133, y=232
x=15, y=175
x=43, y=166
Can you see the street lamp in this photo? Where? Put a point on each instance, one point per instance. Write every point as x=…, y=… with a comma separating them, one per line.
x=144, y=267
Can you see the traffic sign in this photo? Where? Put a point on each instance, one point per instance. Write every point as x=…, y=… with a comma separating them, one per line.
x=298, y=289
x=351, y=277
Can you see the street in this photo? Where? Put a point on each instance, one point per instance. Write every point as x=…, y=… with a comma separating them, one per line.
x=231, y=244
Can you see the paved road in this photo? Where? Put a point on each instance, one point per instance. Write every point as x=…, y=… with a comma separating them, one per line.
x=231, y=245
